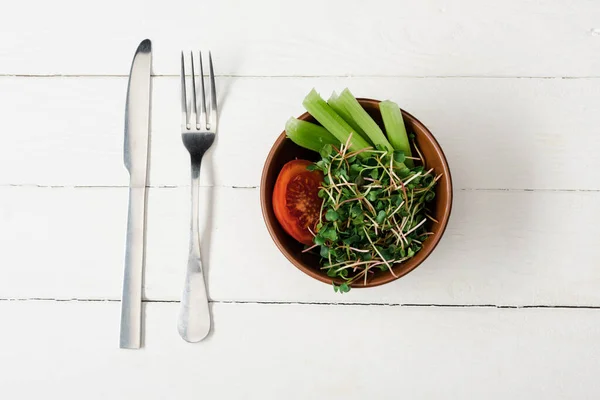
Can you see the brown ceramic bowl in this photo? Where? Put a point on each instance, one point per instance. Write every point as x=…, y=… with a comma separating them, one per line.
x=285, y=150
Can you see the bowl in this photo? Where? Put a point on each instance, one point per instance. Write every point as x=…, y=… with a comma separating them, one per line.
x=285, y=150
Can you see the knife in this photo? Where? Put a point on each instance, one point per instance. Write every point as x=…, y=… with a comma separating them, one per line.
x=135, y=153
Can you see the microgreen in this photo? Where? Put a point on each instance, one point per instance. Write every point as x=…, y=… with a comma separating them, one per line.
x=374, y=213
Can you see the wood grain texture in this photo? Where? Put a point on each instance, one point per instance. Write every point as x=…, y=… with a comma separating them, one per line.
x=300, y=352
x=340, y=37
x=497, y=133
x=501, y=248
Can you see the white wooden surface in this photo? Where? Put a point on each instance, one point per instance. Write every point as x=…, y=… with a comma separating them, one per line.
x=303, y=352
x=508, y=306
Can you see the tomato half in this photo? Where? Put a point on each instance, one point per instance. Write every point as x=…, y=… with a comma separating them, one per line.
x=296, y=201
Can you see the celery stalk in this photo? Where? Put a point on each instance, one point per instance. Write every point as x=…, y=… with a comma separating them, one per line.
x=334, y=102
x=309, y=135
x=363, y=119
x=396, y=131
x=318, y=108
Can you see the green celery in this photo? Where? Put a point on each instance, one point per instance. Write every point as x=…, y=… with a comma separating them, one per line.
x=363, y=119
x=309, y=135
x=338, y=108
x=318, y=108
x=396, y=131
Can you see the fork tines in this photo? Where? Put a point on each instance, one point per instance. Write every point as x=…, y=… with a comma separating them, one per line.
x=194, y=116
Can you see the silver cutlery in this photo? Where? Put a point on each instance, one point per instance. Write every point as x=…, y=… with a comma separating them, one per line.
x=137, y=124
x=198, y=128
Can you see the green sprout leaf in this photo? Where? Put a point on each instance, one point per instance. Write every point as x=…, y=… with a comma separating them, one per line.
x=356, y=211
x=319, y=239
x=329, y=234
x=351, y=240
x=380, y=217
x=399, y=156
x=332, y=215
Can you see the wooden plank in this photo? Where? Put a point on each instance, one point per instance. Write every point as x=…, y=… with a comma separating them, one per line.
x=501, y=248
x=340, y=37
x=497, y=133
x=302, y=351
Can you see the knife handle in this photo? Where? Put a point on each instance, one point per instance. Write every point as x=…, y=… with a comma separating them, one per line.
x=131, y=303
x=194, y=318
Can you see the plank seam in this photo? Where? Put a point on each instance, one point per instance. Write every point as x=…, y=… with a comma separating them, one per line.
x=39, y=186
x=33, y=185
x=525, y=190
x=306, y=76
x=317, y=303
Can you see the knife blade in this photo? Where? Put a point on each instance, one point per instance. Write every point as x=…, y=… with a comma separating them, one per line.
x=135, y=154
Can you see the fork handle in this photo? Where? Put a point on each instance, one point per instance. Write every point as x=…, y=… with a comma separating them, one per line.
x=194, y=318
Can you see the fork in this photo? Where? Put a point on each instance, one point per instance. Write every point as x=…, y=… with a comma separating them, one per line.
x=198, y=128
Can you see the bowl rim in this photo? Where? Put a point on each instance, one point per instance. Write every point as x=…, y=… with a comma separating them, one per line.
x=387, y=278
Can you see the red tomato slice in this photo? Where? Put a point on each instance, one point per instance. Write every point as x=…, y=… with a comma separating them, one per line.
x=295, y=200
